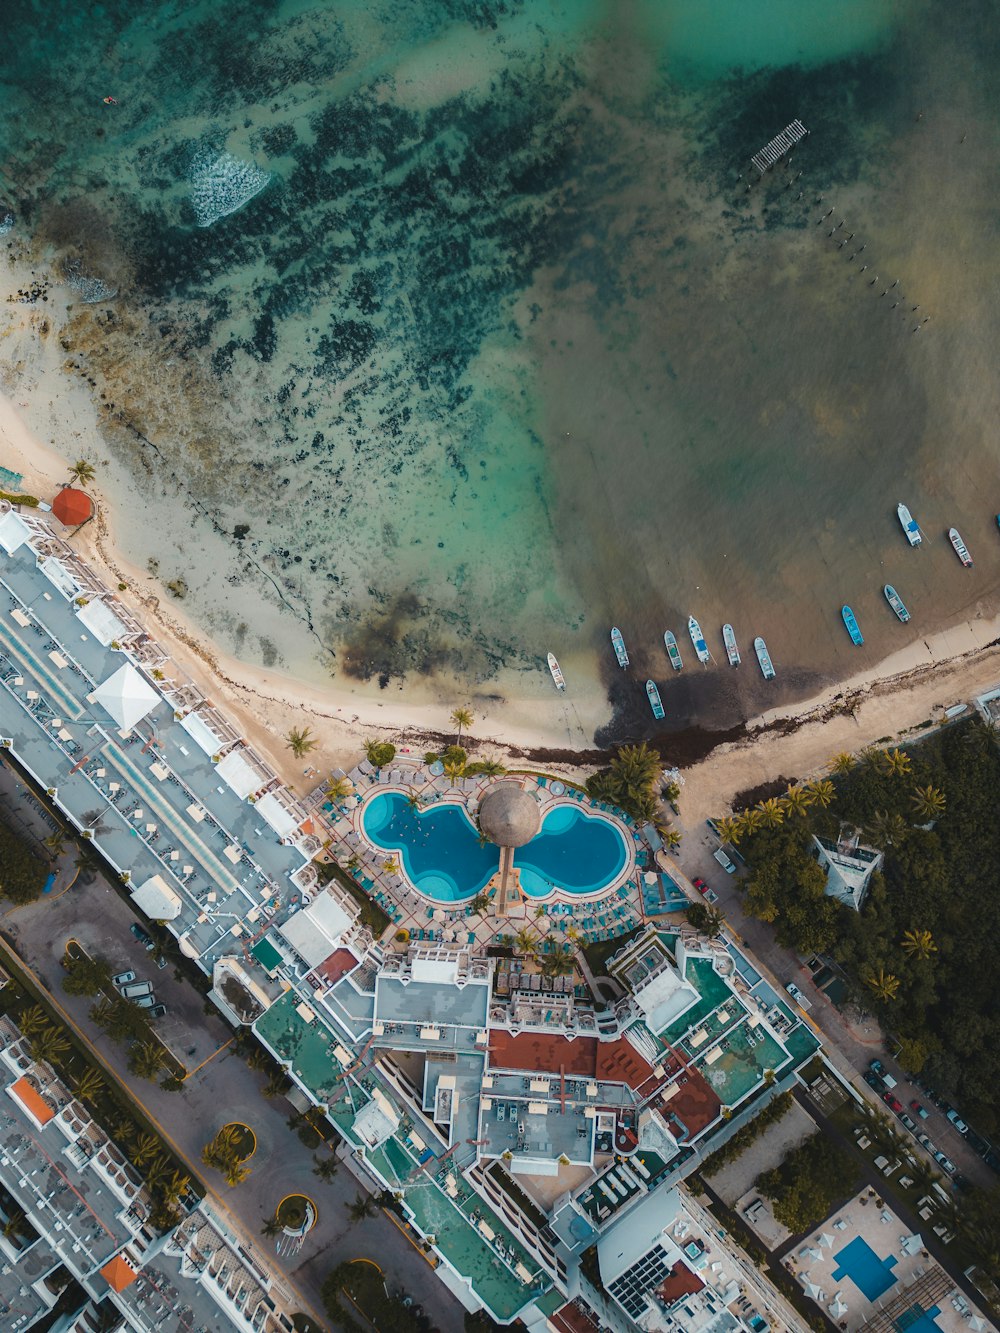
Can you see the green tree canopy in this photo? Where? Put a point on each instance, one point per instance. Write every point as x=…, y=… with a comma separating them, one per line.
x=807, y=1185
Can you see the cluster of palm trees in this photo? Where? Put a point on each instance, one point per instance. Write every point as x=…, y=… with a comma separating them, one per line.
x=928, y=802
x=770, y=813
x=225, y=1154
x=557, y=962
x=46, y=1042
x=917, y=945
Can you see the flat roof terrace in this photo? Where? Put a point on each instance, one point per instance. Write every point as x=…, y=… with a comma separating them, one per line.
x=714, y=990
x=306, y=1043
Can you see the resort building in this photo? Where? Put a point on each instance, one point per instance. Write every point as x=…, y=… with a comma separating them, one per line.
x=849, y=867
x=516, y=1110
x=75, y=1212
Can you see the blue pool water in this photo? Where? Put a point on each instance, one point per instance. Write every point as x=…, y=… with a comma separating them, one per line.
x=443, y=857
x=871, y=1275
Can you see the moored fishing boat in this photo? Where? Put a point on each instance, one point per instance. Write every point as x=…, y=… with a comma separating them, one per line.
x=618, y=643
x=653, y=694
x=557, y=676
x=852, y=626
x=909, y=525
x=961, y=550
x=698, y=639
x=732, y=648
x=764, y=658
x=896, y=602
x=673, y=652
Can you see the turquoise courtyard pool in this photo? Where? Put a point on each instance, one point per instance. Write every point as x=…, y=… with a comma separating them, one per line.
x=443, y=857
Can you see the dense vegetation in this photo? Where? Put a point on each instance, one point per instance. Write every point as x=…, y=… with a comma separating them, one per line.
x=924, y=950
x=808, y=1184
x=22, y=874
x=630, y=782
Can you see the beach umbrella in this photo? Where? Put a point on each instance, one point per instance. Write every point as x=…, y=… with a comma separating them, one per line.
x=826, y=1241
x=976, y=1323
x=812, y=1291
x=838, y=1309
x=72, y=507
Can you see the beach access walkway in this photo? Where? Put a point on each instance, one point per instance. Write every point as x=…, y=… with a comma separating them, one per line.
x=777, y=148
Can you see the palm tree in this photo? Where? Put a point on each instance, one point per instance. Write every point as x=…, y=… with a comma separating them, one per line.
x=325, y=1167
x=772, y=812
x=897, y=762
x=491, y=768
x=886, y=829
x=277, y=1084
x=751, y=821
x=55, y=843
x=102, y=1012
x=300, y=741
x=156, y=1172
x=453, y=770
x=525, y=942
x=882, y=984
x=47, y=1045
x=176, y=1186
x=480, y=903
x=797, y=800
x=461, y=718
x=82, y=472
x=923, y=1174
x=362, y=1207
x=415, y=801
x=842, y=762
x=872, y=757
x=559, y=962
x=918, y=943
x=391, y=865
x=729, y=829
x=89, y=1085
x=671, y=839
x=272, y=1227
x=338, y=789
x=12, y=1226
x=145, y=1148
x=33, y=1020
x=928, y=802
x=146, y=1059
x=234, y=1173
x=822, y=791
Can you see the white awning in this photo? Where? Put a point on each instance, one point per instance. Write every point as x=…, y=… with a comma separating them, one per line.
x=59, y=576
x=201, y=733
x=14, y=531
x=237, y=774
x=157, y=899
x=126, y=696
x=270, y=808
x=102, y=622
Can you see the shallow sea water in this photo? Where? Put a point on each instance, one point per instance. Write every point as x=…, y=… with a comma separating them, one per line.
x=503, y=352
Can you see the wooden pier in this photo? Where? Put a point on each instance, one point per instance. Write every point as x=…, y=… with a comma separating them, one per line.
x=779, y=146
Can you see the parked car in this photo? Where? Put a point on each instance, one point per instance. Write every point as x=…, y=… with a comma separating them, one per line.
x=728, y=866
x=925, y=1142
x=920, y=1110
x=157, y=1011
x=122, y=978
x=945, y=1163
x=137, y=988
x=893, y=1103
x=958, y=1122
x=910, y=1124
x=876, y=1066
x=142, y=935
x=872, y=1079
x=146, y=1001
x=162, y=961
x=700, y=885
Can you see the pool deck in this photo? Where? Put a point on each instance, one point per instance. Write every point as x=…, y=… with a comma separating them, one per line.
x=574, y=917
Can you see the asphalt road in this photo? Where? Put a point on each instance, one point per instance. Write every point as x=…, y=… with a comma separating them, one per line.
x=222, y=1088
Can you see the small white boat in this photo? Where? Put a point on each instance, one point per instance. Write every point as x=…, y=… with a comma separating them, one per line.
x=909, y=525
x=673, y=652
x=698, y=639
x=961, y=550
x=896, y=602
x=732, y=647
x=653, y=694
x=764, y=658
x=557, y=676
x=618, y=643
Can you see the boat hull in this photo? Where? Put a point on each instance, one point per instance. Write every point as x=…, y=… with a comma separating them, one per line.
x=909, y=525
x=673, y=652
x=896, y=602
x=653, y=695
x=764, y=659
x=959, y=547
x=698, y=639
x=558, y=679
x=851, y=625
x=618, y=644
x=732, y=647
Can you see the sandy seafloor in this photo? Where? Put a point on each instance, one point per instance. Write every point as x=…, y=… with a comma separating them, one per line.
x=503, y=352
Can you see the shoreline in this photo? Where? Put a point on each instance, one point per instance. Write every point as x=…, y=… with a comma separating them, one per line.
x=911, y=686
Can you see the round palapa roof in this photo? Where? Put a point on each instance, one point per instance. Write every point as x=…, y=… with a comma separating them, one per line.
x=508, y=815
x=72, y=506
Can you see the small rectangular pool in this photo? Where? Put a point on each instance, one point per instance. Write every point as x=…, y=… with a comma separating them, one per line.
x=871, y=1275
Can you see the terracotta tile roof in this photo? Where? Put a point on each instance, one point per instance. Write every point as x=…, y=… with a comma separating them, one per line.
x=571, y=1319
x=619, y=1062
x=537, y=1052
x=694, y=1104
x=32, y=1101
x=119, y=1272
x=331, y=969
x=681, y=1281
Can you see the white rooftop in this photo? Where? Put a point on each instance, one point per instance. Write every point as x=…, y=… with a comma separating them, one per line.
x=102, y=622
x=316, y=930
x=14, y=531
x=237, y=774
x=157, y=899
x=126, y=696
x=664, y=997
x=376, y=1121
x=641, y=1228
x=201, y=733
x=270, y=808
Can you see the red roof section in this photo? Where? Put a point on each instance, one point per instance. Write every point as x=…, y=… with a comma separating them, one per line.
x=336, y=965
x=72, y=506
x=695, y=1104
x=681, y=1281
x=118, y=1273
x=585, y=1057
x=32, y=1101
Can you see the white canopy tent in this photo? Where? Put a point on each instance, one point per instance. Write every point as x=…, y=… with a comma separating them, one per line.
x=126, y=696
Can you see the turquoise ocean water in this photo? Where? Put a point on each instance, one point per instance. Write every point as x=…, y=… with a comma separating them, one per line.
x=448, y=331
